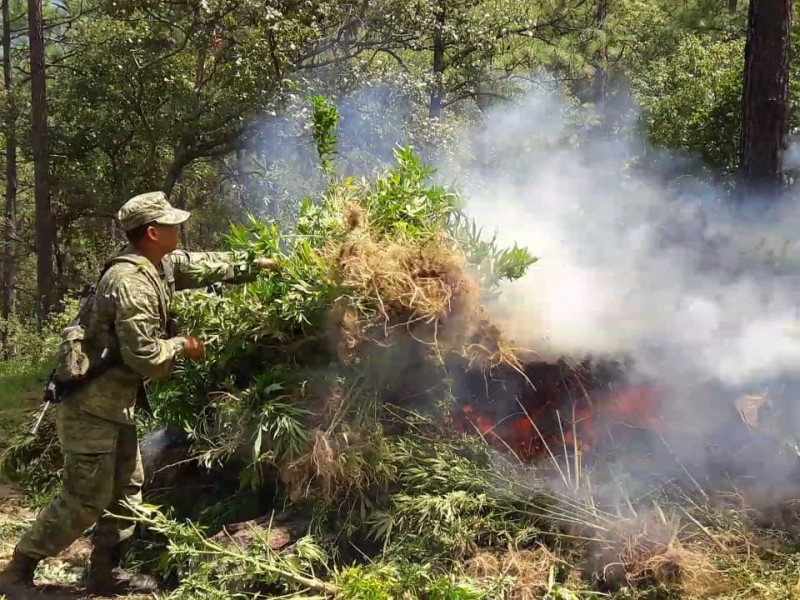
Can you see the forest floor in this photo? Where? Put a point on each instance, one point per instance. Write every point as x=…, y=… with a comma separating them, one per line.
x=57, y=578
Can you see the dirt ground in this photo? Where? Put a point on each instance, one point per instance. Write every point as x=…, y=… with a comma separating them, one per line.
x=57, y=578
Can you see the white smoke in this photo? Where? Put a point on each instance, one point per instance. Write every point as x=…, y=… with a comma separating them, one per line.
x=671, y=275
x=648, y=262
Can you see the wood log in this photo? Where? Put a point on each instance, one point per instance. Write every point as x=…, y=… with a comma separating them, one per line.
x=281, y=531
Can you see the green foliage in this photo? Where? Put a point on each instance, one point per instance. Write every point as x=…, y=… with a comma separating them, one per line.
x=182, y=96
x=280, y=434
x=177, y=402
x=403, y=204
x=214, y=568
x=449, y=502
x=284, y=320
x=28, y=345
x=448, y=497
x=692, y=100
x=33, y=462
x=490, y=263
x=202, y=98
x=324, y=119
x=281, y=397
x=399, y=579
x=21, y=385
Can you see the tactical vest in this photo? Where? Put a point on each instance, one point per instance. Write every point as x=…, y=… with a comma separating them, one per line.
x=75, y=363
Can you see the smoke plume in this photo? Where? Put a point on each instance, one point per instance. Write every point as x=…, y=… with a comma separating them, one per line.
x=632, y=260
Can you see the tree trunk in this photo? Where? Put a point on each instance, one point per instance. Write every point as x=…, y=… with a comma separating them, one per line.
x=273, y=208
x=732, y=6
x=437, y=95
x=180, y=202
x=765, y=95
x=172, y=178
x=9, y=229
x=41, y=160
x=179, y=163
x=60, y=283
x=600, y=74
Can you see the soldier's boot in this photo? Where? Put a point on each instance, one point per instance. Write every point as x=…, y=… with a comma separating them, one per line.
x=18, y=574
x=107, y=578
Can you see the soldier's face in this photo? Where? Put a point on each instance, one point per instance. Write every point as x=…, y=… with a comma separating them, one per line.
x=164, y=237
x=168, y=237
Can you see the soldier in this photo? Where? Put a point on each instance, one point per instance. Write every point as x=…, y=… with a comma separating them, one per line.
x=128, y=322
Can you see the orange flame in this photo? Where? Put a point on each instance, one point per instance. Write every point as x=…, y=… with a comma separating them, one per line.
x=527, y=433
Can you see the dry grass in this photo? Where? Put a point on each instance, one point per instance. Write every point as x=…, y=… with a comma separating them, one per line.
x=335, y=468
x=420, y=290
x=319, y=470
x=411, y=282
x=487, y=347
x=675, y=564
x=655, y=551
x=693, y=548
x=754, y=409
x=353, y=215
x=344, y=319
x=530, y=569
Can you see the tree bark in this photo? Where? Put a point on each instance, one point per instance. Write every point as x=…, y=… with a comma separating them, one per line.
x=600, y=75
x=437, y=95
x=180, y=202
x=765, y=95
x=179, y=162
x=41, y=161
x=171, y=179
x=732, y=6
x=9, y=229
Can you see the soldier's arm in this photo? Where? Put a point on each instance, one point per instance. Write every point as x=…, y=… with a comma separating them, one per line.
x=200, y=269
x=138, y=324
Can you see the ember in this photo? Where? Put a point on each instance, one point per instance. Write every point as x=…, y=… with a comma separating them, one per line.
x=559, y=415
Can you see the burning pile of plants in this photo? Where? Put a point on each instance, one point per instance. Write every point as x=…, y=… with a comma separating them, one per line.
x=376, y=436
x=361, y=429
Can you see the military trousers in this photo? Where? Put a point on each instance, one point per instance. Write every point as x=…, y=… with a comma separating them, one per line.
x=102, y=468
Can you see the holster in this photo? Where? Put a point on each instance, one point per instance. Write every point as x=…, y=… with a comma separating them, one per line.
x=172, y=328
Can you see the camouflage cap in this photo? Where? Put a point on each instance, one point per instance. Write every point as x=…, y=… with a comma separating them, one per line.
x=151, y=207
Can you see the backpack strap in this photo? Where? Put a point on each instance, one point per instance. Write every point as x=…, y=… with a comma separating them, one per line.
x=166, y=267
x=87, y=296
x=145, y=264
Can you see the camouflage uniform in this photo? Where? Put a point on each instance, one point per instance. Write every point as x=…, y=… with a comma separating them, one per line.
x=102, y=464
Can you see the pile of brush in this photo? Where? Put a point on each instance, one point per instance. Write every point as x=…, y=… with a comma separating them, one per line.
x=379, y=290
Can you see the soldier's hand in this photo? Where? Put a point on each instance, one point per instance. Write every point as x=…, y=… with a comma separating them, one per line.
x=267, y=264
x=193, y=349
